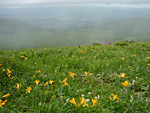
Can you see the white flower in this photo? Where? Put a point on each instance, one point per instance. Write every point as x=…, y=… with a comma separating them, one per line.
x=96, y=98
x=67, y=100
x=40, y=104
x=82, y=95
x=133, y=82
x=89, y=93
x=87, y=100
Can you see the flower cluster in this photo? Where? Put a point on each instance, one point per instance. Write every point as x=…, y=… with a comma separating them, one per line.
x=3, y=102
x=81, y=51
x=83, y=102
x=9, y=73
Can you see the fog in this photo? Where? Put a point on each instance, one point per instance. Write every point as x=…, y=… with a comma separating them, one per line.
x=72, y=24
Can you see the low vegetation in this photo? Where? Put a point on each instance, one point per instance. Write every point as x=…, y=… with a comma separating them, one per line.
x=109, y=78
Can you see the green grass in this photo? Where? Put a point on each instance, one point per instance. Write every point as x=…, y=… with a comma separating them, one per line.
x=55, y=63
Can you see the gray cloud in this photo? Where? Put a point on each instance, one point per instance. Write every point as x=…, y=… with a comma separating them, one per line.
x=15, y=3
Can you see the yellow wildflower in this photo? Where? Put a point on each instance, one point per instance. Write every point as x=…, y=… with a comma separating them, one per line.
x=65, y=80
x=65, y=84
x=39, y=71
x=12, y=78
x=122, y=75
x=114, y=97
x=2, y=103
x=94, y=102
x=18, y=87
x=51, y=82
x=3, y=69
x=126, y=83
x=86, y=73
x=81, y=51
x=123, y=58
x=29, y=89
x=148, y=64
x=91, y=74
x=45, y=84
x=37, y=82
x=73, y=102
x=9, y=75
x=71, y=74
x=8, y=71
x=5, y=95
x=25, y=57
x=147, y=58
x=133, y=55
x=33, y=76
x=83, y=100
x=85, y=104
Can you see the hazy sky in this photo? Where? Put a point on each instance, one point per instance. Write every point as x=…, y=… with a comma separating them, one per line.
x=24, y=3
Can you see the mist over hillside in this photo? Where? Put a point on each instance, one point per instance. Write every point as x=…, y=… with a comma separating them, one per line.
x=71, y=25
x=73, y=16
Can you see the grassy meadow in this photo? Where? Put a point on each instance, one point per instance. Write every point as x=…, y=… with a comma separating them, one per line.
x=107, y=79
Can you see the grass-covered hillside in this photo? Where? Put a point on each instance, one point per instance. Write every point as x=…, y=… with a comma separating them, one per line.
x=16, y=34
x=110, y=78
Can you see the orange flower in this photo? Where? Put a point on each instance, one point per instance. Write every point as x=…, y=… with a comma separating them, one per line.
x=65, y=80
x=114, y=97
x=65, y=84
x=126, y=83
x=74, y=102
x=39, y=71
x=8, y=71
x=83, y=100
x=45, y=84
x=81, y=51
x=94, y=102
x=51, y=82
x=5, y=95
x=123, y=58
x=2, y=103
x=71, y=74
x=9, y=75
x=29, y=89
x=122, y=75
x=18, y=87
x=37, y=82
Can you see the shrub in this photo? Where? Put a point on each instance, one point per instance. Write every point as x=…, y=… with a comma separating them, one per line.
x=97, y=44
x=121, y=44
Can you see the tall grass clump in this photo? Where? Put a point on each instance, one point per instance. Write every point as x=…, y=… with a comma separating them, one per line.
x=109, y=78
